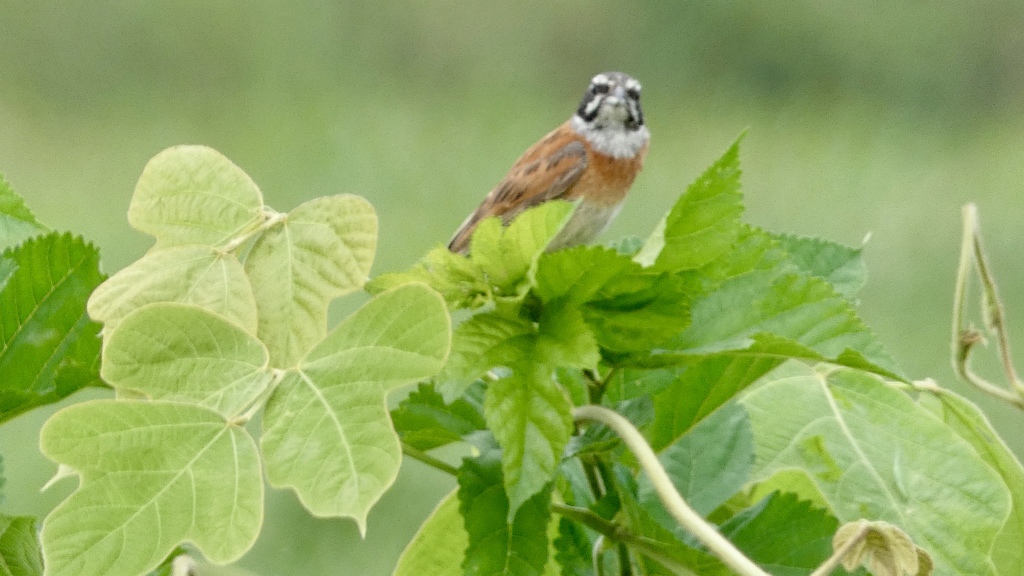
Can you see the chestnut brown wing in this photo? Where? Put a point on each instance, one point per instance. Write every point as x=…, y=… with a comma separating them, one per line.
x=534, y=179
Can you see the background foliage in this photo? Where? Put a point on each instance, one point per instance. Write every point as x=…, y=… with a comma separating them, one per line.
x=864, y=117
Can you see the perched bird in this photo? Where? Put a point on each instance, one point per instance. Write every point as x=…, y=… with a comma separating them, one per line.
x=592, y=158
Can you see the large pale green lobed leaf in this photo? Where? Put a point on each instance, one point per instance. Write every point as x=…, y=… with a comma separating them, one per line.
x=873, y=453
x=194, y=195
x=19, y=548
x=153, y=475
x=439, y=546
x=327, y=433
x=972, y=425
x=195, y=274
x=703, y=223
x=170, y=351
x=48, y=345
x=321, y=250
x=506, y=254
x=17, y=223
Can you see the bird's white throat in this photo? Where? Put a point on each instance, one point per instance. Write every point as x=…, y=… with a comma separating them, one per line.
x=615, y=141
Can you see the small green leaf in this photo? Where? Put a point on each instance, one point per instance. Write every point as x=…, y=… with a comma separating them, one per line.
x=707, y=465
x=704, y=221
x=194, y=195
x=874, y=453
x=573, y=549
x=19, y=549
x=17, y=223
x=498, y=545
x=439, y=546
x=482, y=342
x=326, y=431
x=153, y=475
x=170, y=351
x=456, y=277
x=506, y=254
x=580, y=273
x=322, y=250
x=425, y=422
x=843, y=267
x=530, y=417
x=48, y=345
x=195, y=274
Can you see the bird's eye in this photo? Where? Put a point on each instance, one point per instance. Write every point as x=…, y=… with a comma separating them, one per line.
x=600, y=88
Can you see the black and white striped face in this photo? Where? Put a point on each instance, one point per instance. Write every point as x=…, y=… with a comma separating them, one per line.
x=612, y=101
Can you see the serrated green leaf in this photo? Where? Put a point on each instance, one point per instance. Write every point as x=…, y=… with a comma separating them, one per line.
x=480, y=343
x=153, y=475
x=874, y=453
x=19, y=549
x=580, y=273
x=322, y=250
x=704, y=221
x=439, y=546
x=171, y=351
x=195, y=274
x=456, y=277
x=48, y=345
x=530, y=417
x=761, y=294
x=506, y=254
x=707, y=465
x=564, y=339
x=709, y=381
x=499, y=545
x=784, y=535
x=326, y=431
x=628, y=308
x=971, y=424
x=194, y=195
x=17, y=223
x=842, y=266
x=424, y=421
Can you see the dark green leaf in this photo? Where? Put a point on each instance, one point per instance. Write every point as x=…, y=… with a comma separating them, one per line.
x=497, y=546
x=19, y=547
x=424, y=421
x=572, y=549
x=49, y=346
x=707, y=465
x=16, y=221
x=841, y=266
x=784, y=535
x=704, y=221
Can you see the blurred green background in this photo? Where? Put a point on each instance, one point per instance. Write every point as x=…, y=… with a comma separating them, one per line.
x=864, y=117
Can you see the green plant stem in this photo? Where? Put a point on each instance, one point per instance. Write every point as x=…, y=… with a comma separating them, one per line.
x=964, y=339
x=417, y=454
x=670, y=498
x=272, y=218
x=832, y=563
x=617, y=533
